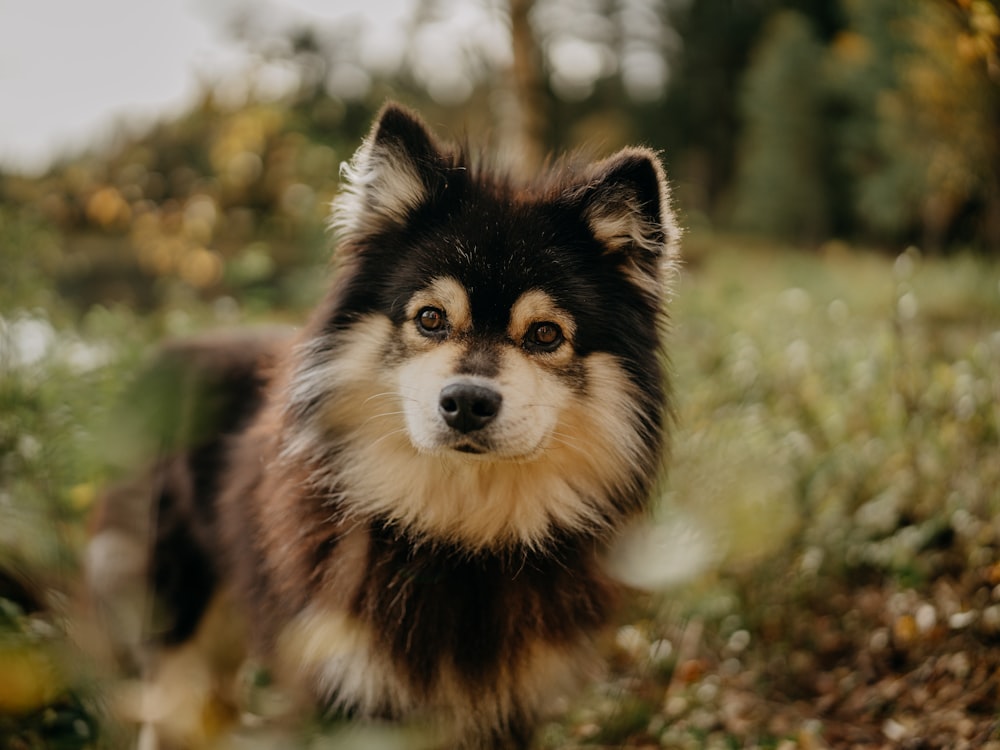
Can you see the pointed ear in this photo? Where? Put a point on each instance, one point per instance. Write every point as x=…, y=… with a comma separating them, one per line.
x=395, y=170
x=626, y=203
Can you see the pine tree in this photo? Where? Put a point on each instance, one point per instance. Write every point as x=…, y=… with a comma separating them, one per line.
x=781, y=180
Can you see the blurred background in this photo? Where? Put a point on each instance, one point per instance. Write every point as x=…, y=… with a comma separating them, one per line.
x=825, y=566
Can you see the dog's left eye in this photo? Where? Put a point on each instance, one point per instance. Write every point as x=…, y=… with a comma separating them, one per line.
x=431, y=320
x=544, y=337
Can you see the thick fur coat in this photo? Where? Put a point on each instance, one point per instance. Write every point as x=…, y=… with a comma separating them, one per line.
x=408, y=501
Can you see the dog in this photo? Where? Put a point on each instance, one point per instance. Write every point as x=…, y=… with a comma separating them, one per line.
x=403, y=508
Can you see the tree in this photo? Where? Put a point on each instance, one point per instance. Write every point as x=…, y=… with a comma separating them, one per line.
x=947, y=119
x=919, y=139
x=781, y=179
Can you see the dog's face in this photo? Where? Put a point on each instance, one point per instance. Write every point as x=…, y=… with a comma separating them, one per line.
x=488, y=365
x=492, y=385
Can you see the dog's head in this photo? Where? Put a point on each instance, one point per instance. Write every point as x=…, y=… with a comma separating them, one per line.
x=488, y=365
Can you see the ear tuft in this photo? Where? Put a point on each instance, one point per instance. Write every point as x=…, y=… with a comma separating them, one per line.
x=627, y=206
x=395, y=170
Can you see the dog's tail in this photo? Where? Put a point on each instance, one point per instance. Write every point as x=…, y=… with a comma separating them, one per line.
x=150, y=565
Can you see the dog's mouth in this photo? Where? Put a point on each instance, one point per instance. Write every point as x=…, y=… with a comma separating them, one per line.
x=486, y=451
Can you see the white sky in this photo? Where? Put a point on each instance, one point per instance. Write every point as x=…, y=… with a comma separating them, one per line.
x=69, y=69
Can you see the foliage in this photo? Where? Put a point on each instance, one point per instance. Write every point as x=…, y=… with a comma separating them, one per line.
x=885, y=129
x=921, y=134
x=781, y=182
x=890, y=124
x=883, y=113
x=945, y=120
x=221, y=201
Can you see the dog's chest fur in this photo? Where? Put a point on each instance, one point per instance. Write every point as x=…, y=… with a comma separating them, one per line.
x=387, y=625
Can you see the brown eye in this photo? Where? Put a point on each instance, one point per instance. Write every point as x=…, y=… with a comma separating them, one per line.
x=431, y=320
x=545, y=337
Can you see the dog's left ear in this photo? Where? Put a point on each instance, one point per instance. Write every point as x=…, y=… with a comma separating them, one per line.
x=395, y=171
x=626, y=203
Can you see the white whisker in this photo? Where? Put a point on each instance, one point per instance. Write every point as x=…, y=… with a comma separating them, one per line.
x=581, y=447
x=391, y=433
x=387, y=394
x=565, y=437
x=381, y=415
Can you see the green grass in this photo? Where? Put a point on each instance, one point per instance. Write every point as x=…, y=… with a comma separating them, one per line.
x=835, y=401
x=838, y=421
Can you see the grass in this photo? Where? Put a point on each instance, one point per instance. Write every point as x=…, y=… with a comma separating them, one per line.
x=839, y=398
x=838, y=437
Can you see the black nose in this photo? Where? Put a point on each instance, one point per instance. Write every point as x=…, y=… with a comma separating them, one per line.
x=468, y=407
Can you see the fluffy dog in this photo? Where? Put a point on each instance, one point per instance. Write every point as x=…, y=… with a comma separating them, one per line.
x=404, y=506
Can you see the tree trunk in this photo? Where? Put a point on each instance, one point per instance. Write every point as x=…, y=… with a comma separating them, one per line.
x=525, y=105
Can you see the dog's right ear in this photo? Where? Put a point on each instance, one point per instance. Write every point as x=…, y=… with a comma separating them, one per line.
x=397, y=168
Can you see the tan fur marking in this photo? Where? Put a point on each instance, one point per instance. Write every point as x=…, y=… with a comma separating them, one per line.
x=621, y=228
x=354, y=373
x=446, y=294
x=115, y=567
x=602, y=434
x=338, y=652
x=345, y=570
x=380, y=187
x=190, y=698
x=535, y=306
x=620, y=224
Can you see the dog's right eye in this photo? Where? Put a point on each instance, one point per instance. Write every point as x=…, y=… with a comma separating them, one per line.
x=431, y=320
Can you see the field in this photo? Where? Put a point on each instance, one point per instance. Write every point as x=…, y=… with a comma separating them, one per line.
x=824, y=564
